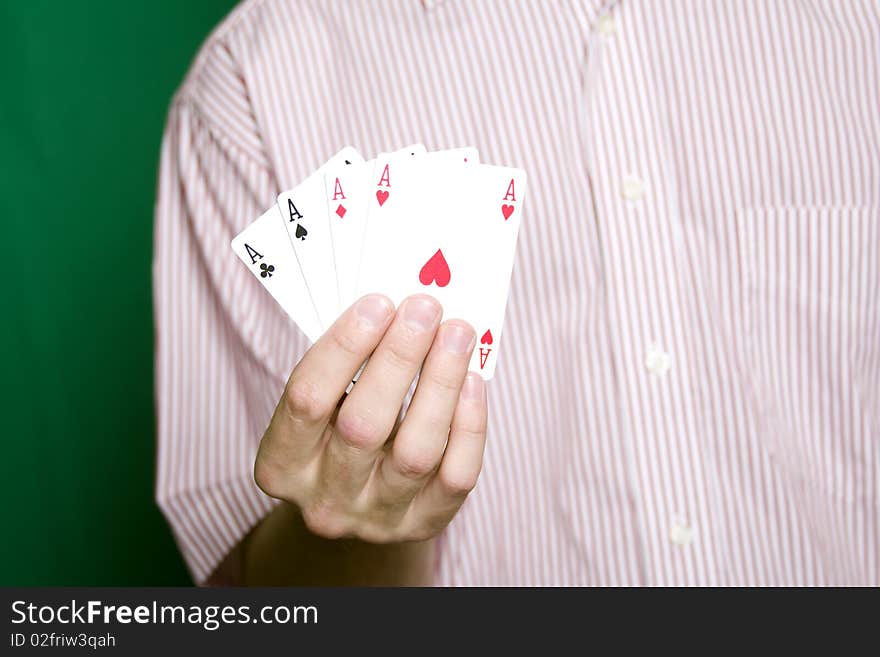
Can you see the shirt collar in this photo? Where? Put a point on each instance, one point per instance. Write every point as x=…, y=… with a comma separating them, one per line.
x=591, y=8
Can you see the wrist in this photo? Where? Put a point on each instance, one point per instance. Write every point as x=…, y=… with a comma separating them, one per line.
x=282, y=551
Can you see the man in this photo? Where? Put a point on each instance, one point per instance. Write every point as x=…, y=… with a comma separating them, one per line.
x=690, y=392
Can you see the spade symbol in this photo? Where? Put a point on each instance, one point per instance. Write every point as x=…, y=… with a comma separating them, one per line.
x=301, y=232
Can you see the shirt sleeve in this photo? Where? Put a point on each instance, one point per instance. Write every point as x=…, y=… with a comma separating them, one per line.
x=223, y=347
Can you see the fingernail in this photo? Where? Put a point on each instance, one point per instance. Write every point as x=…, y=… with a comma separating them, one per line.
x=420, y=313
x=372, y=311
x=473, y=387
x=457, y=339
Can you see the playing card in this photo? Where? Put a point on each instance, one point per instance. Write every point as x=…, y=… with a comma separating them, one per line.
x=304, y=210
x=347, y=193
x=346, y=190
x=379, y=191
x=449, y=231
x=467, y=155
x=264, y=248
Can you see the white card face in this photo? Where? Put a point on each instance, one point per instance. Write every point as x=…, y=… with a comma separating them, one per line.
x=304, y=211
x=264, y=248
x=379, y=190
x=449, y=231
x=468, y=155
x=346, y=191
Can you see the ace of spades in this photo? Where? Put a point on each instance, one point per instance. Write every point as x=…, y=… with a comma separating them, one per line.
x=304, y=212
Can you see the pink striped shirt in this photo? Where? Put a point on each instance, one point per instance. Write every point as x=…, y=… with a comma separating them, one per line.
x=690, y=389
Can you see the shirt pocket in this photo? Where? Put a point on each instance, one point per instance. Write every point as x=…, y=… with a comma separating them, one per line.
x=811, y=314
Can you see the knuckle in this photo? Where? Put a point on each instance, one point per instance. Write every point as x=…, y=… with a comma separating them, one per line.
x=471, y=430
x=376, y=535
x=413, y=463
x=425, y=532
x=323, y=520
x=458, y=484
x=443, y=379
x=345, y=342
x=303, y=401
x=400, y=354
x=268, y=478
x=358, y=431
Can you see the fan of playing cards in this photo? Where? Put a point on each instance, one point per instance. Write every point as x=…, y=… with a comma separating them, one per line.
x=406, y=222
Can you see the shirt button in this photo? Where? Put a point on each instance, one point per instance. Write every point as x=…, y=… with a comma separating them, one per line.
x=681, y=534
x=633, y=189
x=605, y=25
x=657, y=361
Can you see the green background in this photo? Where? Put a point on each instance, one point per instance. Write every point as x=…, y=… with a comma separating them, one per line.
x=84, y=88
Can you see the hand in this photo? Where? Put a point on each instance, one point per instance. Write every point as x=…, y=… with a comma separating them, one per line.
x=331, y=457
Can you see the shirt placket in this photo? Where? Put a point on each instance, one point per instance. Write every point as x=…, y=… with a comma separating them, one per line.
x=633, y=183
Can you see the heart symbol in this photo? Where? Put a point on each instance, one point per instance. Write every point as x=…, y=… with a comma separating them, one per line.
x=436, y=269
x=381, y=196
x=301, y=232
x=506, y=210
x=487, y=338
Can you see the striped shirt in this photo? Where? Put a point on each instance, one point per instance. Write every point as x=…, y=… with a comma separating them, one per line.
x=690, y=390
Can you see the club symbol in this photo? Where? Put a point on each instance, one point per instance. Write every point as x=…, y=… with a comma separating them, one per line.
x=266, y=270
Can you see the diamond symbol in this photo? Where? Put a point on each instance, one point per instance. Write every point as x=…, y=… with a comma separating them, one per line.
x=340, y=211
